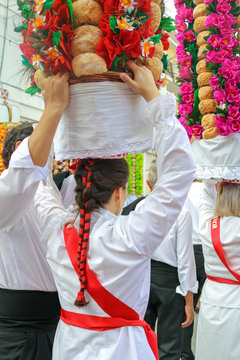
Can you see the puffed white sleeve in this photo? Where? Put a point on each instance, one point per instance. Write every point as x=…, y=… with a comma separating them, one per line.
x=18, y=185
x=185, y=255
x=207, y=204
x=50, y=208
x=145, y=229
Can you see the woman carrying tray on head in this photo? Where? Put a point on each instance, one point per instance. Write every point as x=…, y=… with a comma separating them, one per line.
x=102, y=266
x=219, y=318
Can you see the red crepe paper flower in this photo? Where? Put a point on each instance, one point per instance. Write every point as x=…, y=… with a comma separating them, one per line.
x=113, y=45
x=27, y=50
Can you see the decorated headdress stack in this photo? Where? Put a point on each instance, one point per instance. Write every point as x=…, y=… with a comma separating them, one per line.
x=209, y=78
x=209, y=64
x=90, y=37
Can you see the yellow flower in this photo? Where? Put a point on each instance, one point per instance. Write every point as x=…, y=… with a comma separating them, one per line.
x=38, y=22
x=128, y=5
x=123, y=24
x=36, y=60
x=146, y=46
x=52, y=53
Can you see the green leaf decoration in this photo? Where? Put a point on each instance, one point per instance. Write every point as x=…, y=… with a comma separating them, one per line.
x=165, y=61
x=222, y=81
x=179, y=99
x=56, y=37
x=26, y=62
x=138, y=18
x=236, y=51
x=69, y=4
x=33, y=90
x=190, y=122
x=211, y=66
x=193, y=52
x=221, y=112
x=21, y=27
x=235, y=9
x=196, y=112
x=167, y=24
x=211, y=8
x=209, y=47
x=48, y=5
x=155, y=38
x=114, y=63
x=213, y=30
x=113, y=24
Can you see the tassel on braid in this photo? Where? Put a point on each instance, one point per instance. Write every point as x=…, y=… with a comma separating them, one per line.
x=85, y=219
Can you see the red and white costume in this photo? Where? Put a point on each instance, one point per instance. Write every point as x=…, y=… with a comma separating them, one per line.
x=120, y=249
x=219, y=318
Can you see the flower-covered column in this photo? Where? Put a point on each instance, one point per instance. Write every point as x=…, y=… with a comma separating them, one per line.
x=217, y=91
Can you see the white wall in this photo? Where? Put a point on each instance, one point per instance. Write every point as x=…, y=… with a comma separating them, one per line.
x=24, y=106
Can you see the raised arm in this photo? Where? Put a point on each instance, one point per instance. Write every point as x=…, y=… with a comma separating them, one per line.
x=144, y=230
x=28, y=164
x=56, y=97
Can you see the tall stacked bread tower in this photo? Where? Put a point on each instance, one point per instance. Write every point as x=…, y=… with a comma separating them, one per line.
x=214, y=72
x=88, y=37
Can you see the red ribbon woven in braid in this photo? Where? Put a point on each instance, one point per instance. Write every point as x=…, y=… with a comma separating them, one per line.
x=85, y=219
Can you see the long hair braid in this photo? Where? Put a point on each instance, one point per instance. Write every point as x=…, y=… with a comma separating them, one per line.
x=84, y=229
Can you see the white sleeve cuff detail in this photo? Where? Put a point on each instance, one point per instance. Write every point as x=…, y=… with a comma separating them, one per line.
x=21, y=158
x=161, y=109
x=183, y=292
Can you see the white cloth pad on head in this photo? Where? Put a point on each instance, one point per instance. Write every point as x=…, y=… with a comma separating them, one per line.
x=103, y=119
x=218, y=158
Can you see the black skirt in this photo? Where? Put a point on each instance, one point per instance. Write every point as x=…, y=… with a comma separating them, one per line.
x=28, y=321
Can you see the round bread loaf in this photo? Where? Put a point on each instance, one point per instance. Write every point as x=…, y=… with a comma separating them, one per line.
x=39, y=78
x=159, y=50
x=200, y=54
x=208, y=121
x=156, y=16
x=85, y=39
x=204, y=78
x=205, y=92
x=202, y=67
x=200, y=38
x=238, y=21
x=157, y=1
x=198, y=24
x=197, y=2
x=207, y=106
x=210, y=133
x=156, y=67
x=86, y=11
x=88, y=64
x=200, y=10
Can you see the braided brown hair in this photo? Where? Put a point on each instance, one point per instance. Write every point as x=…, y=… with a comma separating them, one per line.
x=96, y=180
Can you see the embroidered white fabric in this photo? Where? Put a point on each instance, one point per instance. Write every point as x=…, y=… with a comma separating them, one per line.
x=103, y=119
x=218, y=158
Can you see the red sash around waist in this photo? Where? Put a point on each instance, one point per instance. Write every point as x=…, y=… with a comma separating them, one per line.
x=120, y=313
x=215, y=236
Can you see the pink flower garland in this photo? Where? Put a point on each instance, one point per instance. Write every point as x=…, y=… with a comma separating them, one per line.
x=223, y=59
x=186, y=37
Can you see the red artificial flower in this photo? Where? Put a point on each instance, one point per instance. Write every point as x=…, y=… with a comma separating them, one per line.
x=59, y=21
x=56, y=4
x=62, y=17
x=27, y=50
x=164, y=39
x=113, y=45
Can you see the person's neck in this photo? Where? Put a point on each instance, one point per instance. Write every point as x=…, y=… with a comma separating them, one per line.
x=111, y=206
